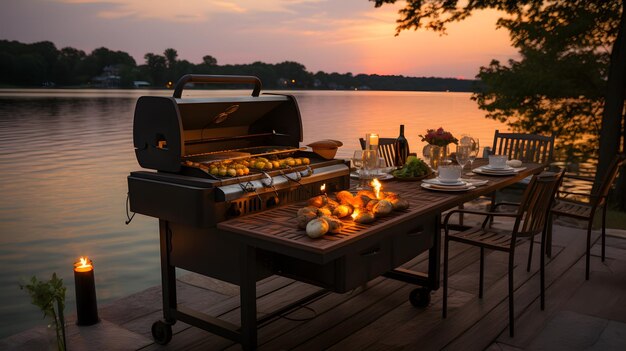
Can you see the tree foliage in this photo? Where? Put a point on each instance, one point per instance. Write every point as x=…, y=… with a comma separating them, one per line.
x=571, y=78
x=35, y=64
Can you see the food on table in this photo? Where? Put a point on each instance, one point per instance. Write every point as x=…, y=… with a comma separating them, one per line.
x=343, y=210
x=325, y=215
x=324, y=211
x=370, y=205
x=316, y=228
x=307, y=209
x=334, y=224
x=364, y=217
x=414, y=167
x=398, y=203
x=318, y=201
x=360, y=201
x=304, y=219
x=345, y=197
x=382, y=208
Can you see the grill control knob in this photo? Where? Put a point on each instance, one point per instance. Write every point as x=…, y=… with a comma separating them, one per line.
x=233, y=211
x=272, y=201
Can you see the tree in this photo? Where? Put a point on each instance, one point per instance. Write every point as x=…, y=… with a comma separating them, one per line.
x=209, y=60
x=572, y=33
x=156, y=65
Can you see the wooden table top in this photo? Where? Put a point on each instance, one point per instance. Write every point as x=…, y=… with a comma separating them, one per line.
x=276, y=229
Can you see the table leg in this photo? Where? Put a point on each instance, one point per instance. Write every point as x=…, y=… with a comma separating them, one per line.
x=247, y=287
x=434, y=256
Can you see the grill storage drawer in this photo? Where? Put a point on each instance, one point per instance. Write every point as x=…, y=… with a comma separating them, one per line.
x=342, y=274
x=415, y=240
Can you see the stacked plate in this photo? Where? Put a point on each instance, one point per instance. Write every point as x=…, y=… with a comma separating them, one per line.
x=437, y=185
x=505, y=171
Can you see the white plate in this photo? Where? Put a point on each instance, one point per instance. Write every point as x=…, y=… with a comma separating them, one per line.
x=512, y=171
x=438, y=188
x=383, y=176
x=437, y=181
x=505, y=168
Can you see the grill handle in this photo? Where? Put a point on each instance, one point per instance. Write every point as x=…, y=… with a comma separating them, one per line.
x=216, y=79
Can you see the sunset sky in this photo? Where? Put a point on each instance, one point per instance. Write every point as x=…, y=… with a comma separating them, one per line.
x=327, y=35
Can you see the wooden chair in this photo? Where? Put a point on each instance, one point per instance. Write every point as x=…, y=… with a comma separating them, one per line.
x=524, y=147
x=530, y=220
x=586, y=210
x=386, y=150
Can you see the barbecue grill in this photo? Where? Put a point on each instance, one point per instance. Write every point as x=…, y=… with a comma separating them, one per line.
x=181, y=138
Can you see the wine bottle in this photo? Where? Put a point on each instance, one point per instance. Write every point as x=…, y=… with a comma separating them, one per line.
x=402, y=148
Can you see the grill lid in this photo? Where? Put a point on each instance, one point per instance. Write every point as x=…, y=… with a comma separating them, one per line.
x=168, y=130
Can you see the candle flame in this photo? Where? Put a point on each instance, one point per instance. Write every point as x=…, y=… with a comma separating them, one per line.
x=323, y=188
x=355, y=213
x=377, y=187
x=83, y=264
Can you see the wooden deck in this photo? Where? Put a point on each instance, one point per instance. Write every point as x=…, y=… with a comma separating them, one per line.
x=378, y=316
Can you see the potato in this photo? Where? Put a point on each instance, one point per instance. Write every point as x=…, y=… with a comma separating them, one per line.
x=316, y=228
x=343, y=211
x=382, y=208
x=305, y=218
x=231, y=172
x=324, y=211
x=345, y=197
x=259, y=165
x=364, y=217
x=222, y=171
x=334, y=224
x=360, y=201
x=398, y=203
x=307, y=209
x=367, y=193
x=370, y=205
x=318, y=201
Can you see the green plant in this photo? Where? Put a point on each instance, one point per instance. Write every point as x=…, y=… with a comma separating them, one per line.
x=50, y=298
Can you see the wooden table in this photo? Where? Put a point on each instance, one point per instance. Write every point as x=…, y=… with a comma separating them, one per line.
x=361, y=252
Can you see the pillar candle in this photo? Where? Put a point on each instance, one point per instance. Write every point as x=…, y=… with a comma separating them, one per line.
x=86, y=303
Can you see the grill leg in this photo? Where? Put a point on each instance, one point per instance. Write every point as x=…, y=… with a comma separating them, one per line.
x=248, y=298
x=168, y=274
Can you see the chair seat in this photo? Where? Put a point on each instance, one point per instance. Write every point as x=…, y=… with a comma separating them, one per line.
x=489, y=238
x=572, y=209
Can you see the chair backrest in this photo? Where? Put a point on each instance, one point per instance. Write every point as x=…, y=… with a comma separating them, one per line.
x=524, y=147
x=386, y=150
x=536, y=203
x=599, y=198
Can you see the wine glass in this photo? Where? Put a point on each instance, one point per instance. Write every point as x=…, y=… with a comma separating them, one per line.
x=357, y=161
x=462, y=154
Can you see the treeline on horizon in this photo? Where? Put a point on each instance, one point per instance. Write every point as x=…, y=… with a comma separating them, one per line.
x=42, y=64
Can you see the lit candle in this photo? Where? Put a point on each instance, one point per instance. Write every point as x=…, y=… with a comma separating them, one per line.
x=86, y=304
x=373, y=141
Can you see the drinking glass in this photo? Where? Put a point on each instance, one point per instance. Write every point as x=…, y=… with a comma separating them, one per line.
x=370, y=165
x=426, y=153
x=462, y=155
x=474, y=149
x=357, y=161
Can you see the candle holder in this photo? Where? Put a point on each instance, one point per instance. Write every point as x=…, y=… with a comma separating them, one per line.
x=86, y=303
x=371, y=141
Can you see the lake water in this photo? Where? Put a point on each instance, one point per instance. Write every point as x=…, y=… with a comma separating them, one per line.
x=65, y=155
